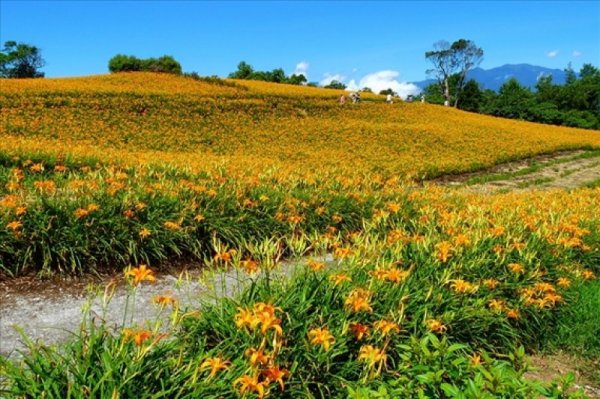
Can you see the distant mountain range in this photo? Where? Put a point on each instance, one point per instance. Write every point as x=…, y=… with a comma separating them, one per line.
x=526, y=74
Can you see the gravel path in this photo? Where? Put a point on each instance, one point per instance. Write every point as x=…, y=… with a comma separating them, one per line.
x=51, y=311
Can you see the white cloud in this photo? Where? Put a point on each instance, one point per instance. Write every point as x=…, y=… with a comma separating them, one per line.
x=552, y=53
x=577, y=53
x=302, y=68
x=328, y=78
x=382, y=80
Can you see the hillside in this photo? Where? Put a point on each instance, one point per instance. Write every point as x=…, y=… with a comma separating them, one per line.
x=107, y=170
x=170, y=119
x=315, y=265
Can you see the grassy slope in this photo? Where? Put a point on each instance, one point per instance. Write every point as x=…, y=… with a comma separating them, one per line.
x=134, y=116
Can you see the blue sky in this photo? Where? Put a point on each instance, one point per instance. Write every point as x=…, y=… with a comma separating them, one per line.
x=352, y=41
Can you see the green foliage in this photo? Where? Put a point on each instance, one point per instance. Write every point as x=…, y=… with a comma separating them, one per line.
x=575, y=104
x=20, y=60
x=130, y=63
x=387, y=91
x=277, y=75
x=578, y=327
x=335, y=84
x=455, y=59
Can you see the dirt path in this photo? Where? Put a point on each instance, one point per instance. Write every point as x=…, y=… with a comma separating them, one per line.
x=50, y=311
x=566, y=170
x=556, y=366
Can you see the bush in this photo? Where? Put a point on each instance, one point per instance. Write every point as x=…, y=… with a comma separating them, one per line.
x=130, y=63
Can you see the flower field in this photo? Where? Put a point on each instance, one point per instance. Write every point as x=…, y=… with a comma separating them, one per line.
x=431, y=292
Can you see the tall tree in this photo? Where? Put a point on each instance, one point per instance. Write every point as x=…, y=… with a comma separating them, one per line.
x=20, y=60
x=449, y=59
x=244, y=71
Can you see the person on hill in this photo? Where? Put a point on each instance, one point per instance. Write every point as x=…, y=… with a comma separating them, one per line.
x=388, y=99
x=355, y=98
x=342, y=99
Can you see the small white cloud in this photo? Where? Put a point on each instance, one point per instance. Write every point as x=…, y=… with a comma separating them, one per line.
x=354, y=70
x=383, y=80
x=577, y=53
x=552, y=53
x=328, y=78
x=302, y=68
x=353, y=86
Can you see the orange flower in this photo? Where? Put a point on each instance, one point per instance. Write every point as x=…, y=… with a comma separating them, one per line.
x=215, y=364
x=14, y=225
x=342, y=253
x=396, y=275
x=475, y=359
x=496, y=305
x=461, y=239
x=250, y=266
x=37, y=167
x=140, y=273
x=371, y=355
x=385, y=327
x=339, y=278
x=128, y=213
x=358, y=300
x=392, y=207
x=436, y=326
x=513, y=314
x=316, y=266
x=246, y=318
x=250, y=384
x=491, y=283
x=321, y=336
x=164, y=300
x=275, y=374
x=516, y=268
x=172, y=226
x=563, y=282
x=462, y=287
x=588, y=275
x=256, y=356
x=81, y=213
x=444, y=248
x=144, y=233
x=359, y=330
x=139, y=336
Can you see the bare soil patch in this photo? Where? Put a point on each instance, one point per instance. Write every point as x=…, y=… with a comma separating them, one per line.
x=552, y=367
x=563, y=170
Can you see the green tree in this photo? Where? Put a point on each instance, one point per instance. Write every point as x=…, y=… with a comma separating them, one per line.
x=448, y=59
x=20, y=60
x=244, y=71
x=297, y=79
x=130, y=63
x=472, y=97
x=513, y=101
x=164, y=64
x=335, y=84
x=124, y=63
x=387, y=91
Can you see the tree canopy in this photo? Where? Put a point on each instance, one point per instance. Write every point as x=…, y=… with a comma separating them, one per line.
x=277, y=75
x=20, y=60
x=456, y=59
x=576, y=103
x=130, y=63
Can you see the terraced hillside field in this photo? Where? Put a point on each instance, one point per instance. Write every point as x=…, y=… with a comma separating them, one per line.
x=391, y=287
